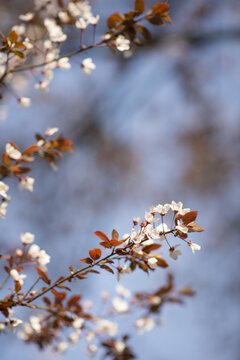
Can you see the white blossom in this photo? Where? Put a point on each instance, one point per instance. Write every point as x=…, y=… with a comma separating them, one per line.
x=162, y=209
x=19, y=29
x=62, y=347
x=173, y=252
x=12, y=323
x=122, y=44
x=26, y=17
x=88, y=66
x=121, y=290
x=93, y=20
x=24, y=101
x=149, y=217
x=3, y=189
x=194, y=246
x=73, y=337
x=63, y=63
x=78, y=323
x=26, y=183
x=176, y=207
x=34, y=251
x=35, y=322
x=17, y=277
x=12, y=152
x=42, y=86
x=54, y=30
x=3, y=209
x=51, y=131
x=152, y=263
x=18, y=252
x=162, y=229
x=144, y=324
x=120, y=305
x=91, y=350
x=43, y=259
x=119, y=346
x=155, y=300
x=63, y=16
x=80, y=8
x=181, y=227
x=184, y=211
x=27, y=238
x=107, y=327
x=81, y=24
x=28, y=44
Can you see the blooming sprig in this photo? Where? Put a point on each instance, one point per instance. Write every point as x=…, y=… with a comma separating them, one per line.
x=14, y=161
x=47, y=23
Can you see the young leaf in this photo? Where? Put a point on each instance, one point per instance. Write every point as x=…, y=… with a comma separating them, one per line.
x=107, y=268
x=74, y=300
x=114, y=242
x=43, y=276
x=13, y=36
x=105, y=244
x=115, y=234
x=102, y=236
x=30, y=150
x=189, y=217
x=114, y=19
x=160, y=8
x=95, y=254
x=87, y=261
x=139, y=6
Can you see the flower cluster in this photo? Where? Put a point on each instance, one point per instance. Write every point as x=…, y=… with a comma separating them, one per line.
x=14, y=161
x=63, y=313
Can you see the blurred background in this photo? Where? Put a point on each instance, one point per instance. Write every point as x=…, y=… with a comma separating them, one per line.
x=158, y=126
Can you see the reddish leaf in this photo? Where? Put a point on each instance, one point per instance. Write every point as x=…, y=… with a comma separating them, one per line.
x=17, y=286
x=95, y=253
x=93, y=271
x=6, y=159
x=162, y=263
x=43, y=276
x=3, y=170
x=102, y=236
x=114, y=19
x=121, y=251
x=81, y=277
x=64, y=287
x=115, y=234
x=155, y=20
x=160, y=8
x=114, y=242
x=105, y=244
x=189, y=217
x=87, y=261
x=139, y=6
x=151, y=247
x=20, y=45
x=187, y=291
x=74, y=300
x=58, y=295
x=107, y=268
x=30, y=150
x=193, y=227
x=13, y=36
x=47, y=300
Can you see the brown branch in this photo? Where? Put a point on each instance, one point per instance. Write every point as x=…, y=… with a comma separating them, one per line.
x=79, y=271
